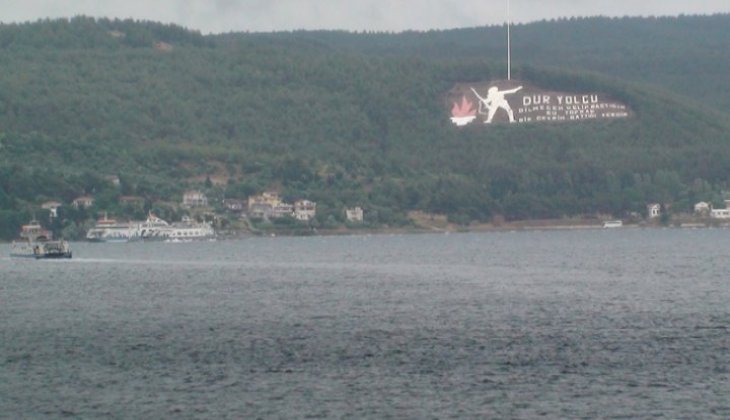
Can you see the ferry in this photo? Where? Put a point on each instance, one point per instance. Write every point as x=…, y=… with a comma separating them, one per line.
x=35, y=242
x=152, y=229
x=109, y=230
x=189, y=230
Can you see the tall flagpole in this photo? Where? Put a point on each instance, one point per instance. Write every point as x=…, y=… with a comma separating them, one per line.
x=509, y=44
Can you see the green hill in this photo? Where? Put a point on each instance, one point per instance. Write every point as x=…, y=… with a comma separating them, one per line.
x=343, y=120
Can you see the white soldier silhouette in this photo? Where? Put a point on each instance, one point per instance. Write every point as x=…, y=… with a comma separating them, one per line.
x=494, y=101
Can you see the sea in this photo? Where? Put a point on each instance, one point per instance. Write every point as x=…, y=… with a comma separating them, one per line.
x=615, y=323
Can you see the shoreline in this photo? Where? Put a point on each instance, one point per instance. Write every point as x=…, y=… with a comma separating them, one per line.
x=522, y=226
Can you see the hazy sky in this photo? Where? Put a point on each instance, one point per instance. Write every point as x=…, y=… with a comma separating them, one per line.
x=215, y=16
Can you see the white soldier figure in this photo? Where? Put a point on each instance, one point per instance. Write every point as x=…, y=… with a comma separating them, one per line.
x=494, y=101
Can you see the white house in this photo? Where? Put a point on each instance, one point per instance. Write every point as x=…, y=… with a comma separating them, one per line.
x=354, y=215
x=83, y=202
x=654, y=210
x=234, y=205
x=52, y=207
x=305, y=210
x=282, y=210
x=194, y=199
x=721, y=213
x=702, y=208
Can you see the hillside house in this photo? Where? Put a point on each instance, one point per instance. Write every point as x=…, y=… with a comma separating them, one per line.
x=268, y=205
x=236, y=206
x=354, y=215
x=702, y=208
x=52, y=207
x=282, y=210
x=267, y=198
x=305, y=210
x=194, y=198
x=83, y=202
x=721, y=213
x=654, y=210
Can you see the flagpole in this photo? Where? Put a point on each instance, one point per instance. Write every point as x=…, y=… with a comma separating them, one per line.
x=509, y=44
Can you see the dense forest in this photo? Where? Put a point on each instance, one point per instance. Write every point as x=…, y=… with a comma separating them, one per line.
x=349, y=119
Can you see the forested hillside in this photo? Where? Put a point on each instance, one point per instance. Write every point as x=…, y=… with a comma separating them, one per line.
x=687, y=54
x=356, y=119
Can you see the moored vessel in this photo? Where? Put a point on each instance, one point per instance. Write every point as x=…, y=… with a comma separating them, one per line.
x=110, y=230
x=36, y=242
x=189, y=230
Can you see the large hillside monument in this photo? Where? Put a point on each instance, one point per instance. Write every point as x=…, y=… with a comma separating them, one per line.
x=509, y=101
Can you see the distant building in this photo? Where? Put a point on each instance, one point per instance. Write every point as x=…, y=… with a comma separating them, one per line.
x=83, y=202
x=654, y=210
x=268, y=199
x=305, y=210
x=721, y=213
x=282, y=210
x=236, y=206
x=194, y=199
x=268, y=205
x=354, y=215
x=52, y=207
x=702, y=208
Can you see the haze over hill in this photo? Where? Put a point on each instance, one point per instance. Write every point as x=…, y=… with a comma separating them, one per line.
x=350, y=119
x=221, y=16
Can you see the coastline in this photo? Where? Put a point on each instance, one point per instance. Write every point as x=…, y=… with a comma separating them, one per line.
x=439, y=225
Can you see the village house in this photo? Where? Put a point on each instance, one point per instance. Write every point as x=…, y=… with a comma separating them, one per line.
x=52, y=207
x=654, y=210
x=194, y=198
x=268, y=205
x=702, y=208
x=83, y=202
x=721, y=213
x=267, y=198
x=282, y=210
x=305, y=210
x=236, y=206
x=354, y=215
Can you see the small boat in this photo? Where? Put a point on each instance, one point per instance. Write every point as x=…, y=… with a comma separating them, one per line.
x=35, y=242
x=612, y=224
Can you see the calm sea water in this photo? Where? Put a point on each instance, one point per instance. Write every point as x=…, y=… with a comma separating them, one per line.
x=583, y=324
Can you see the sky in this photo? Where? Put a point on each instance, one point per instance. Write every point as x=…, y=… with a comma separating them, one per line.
x=218, y=16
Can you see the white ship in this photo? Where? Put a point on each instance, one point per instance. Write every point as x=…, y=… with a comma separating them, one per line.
x=189, y=230
x=152, y=229
x=109, y=230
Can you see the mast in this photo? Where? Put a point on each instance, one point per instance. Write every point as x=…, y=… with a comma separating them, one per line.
x=509, y=44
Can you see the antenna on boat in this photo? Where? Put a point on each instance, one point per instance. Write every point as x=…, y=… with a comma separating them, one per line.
x=509, y=44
